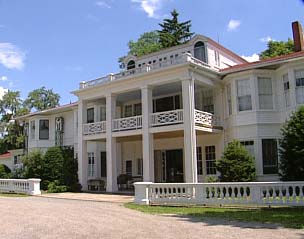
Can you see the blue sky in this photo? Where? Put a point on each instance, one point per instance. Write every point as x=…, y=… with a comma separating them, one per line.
x=58, y=43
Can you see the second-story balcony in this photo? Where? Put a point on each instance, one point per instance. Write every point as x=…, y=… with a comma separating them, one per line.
x=158, y=119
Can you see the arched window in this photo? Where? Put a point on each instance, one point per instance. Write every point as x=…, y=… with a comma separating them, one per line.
x=199, y=51
x=131, y=65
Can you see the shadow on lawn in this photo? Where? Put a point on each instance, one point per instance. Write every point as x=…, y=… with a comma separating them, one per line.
x=262, y=218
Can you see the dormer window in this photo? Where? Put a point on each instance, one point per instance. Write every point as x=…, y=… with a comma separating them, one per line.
x=131, y=65
x=199, y=51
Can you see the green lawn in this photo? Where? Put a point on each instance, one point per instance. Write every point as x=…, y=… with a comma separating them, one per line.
x=287, y=217
x=13, y=195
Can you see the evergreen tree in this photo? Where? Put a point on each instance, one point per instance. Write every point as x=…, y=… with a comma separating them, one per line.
x=173, y=32
x=292, y=148
x=236, y=164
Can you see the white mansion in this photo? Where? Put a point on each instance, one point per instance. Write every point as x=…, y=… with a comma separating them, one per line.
x=168, y=115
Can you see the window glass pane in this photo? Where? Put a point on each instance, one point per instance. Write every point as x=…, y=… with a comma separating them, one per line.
x=265, y=93
x=164, y=104
x=207, y=101
x=177, y=102
x=244, y=95
x=210, y=159
x=90, y=115
x=139, y=166
x=128, y=110
x=103, y=164
x=91, y=164
x=199, y=51
x=270, y=156
x=299, y=75
x=229, y=99
x=286, y=90
x=43, y=129
x=129, y=167
x=137, y=109
x=102, y=113
x=199, y=160
x=32, y=129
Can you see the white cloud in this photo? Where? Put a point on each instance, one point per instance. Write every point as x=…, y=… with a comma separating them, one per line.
x=103, y=4
x=150, y=7
x=3, y=91
x=3, y=78
x=233, y=25
x=11, y=56
x=266, y=39
x=252, y=58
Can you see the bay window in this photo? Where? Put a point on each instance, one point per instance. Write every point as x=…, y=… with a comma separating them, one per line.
x=244, y=95
x=265, y=93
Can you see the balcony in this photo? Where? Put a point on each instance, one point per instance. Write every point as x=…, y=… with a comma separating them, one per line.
x=167, y=117
x=182, y=59
x=94, y=128
x=129, y=123
x=206, y=119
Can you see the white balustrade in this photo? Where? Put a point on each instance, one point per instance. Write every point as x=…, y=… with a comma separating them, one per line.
x=26, y=186
x=206, y=118
x=252, y=193
x=167, y=117
x=128, y=123
x=94, y=128
x=181, y=59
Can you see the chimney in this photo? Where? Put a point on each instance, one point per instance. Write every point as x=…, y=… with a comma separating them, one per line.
x=297, y=36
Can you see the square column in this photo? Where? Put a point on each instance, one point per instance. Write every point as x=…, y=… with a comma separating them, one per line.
x=82, y=147
x=190, y=160
x=147, y=137
x=111, y=145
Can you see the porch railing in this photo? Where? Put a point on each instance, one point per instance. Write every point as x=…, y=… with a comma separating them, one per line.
x=134, y=122
x=94, y=128
x=167, y=117
x=256, y=193
x=205, y=118
x=26, y=186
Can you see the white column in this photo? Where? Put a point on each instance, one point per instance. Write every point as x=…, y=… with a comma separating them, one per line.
x=111, y=145
x=82, y=147
x=147, y=137
x=190, y=160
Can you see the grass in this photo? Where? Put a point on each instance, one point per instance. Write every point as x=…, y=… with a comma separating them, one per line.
x=287, y=217
x=13, y=195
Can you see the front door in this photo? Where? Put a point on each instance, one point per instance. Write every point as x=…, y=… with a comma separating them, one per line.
x=174, y=166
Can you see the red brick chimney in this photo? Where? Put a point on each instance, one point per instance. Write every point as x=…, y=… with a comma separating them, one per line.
x=297, y=36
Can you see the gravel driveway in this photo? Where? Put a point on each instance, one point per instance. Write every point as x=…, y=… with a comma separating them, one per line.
x=37, y=217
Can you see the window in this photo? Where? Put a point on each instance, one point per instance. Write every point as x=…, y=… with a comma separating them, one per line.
x=286, y=90
x=17, y=159
x=91, y=164
x=139, y=166
x=103, y=164
x=43, y=129
x=208, y=105
x=217, y=58
x=129, y=167
x=199, y=160
x=244, y=95
x=137, y=109
x=128, y=110
x=265, y=93
x=199, y=51
x=102, y=113
x=229, y=103
x=299, y=74
x=167, y=103
x=90, y=115
x=131, y=65
x=32, y=129
x=270, y=156
x=210, y=159
x=249, y=145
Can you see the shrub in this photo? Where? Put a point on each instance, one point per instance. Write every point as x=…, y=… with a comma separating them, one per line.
x=291, y=148
x=5, y=171
x=55, y=187
x=236, y=164
x=33, y=164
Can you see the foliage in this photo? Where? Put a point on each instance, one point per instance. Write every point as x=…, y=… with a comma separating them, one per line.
x=9, y=105
x=236, y=164
x=288, y=217
x=57, y=166
x=5, y=172
x=173, y=32
x=277, y=48
x=212, y=179
x=292, y=148
x=41, y=99
x=56, y=187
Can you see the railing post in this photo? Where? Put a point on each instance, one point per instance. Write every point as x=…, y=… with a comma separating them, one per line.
x=142, y=193
x=255, y=193
x=34, y=186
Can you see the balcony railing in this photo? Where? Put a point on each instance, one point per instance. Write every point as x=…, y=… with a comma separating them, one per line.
x=206, y=119
x=187, y=57
x=134, y=122
x=167, y=117
x=94, y=128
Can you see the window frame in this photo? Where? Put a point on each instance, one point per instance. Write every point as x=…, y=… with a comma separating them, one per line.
x=275, y=153
x=286, y=89
x=210, y=163
x=91, y=164
x=238, y=96
x=47, y=128
x=91, y=109
x=32, y=129
x=262, y=94
x=299, y=85
x=199, y=158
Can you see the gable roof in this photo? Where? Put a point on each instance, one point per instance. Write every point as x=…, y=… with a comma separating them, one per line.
x=263, y=63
